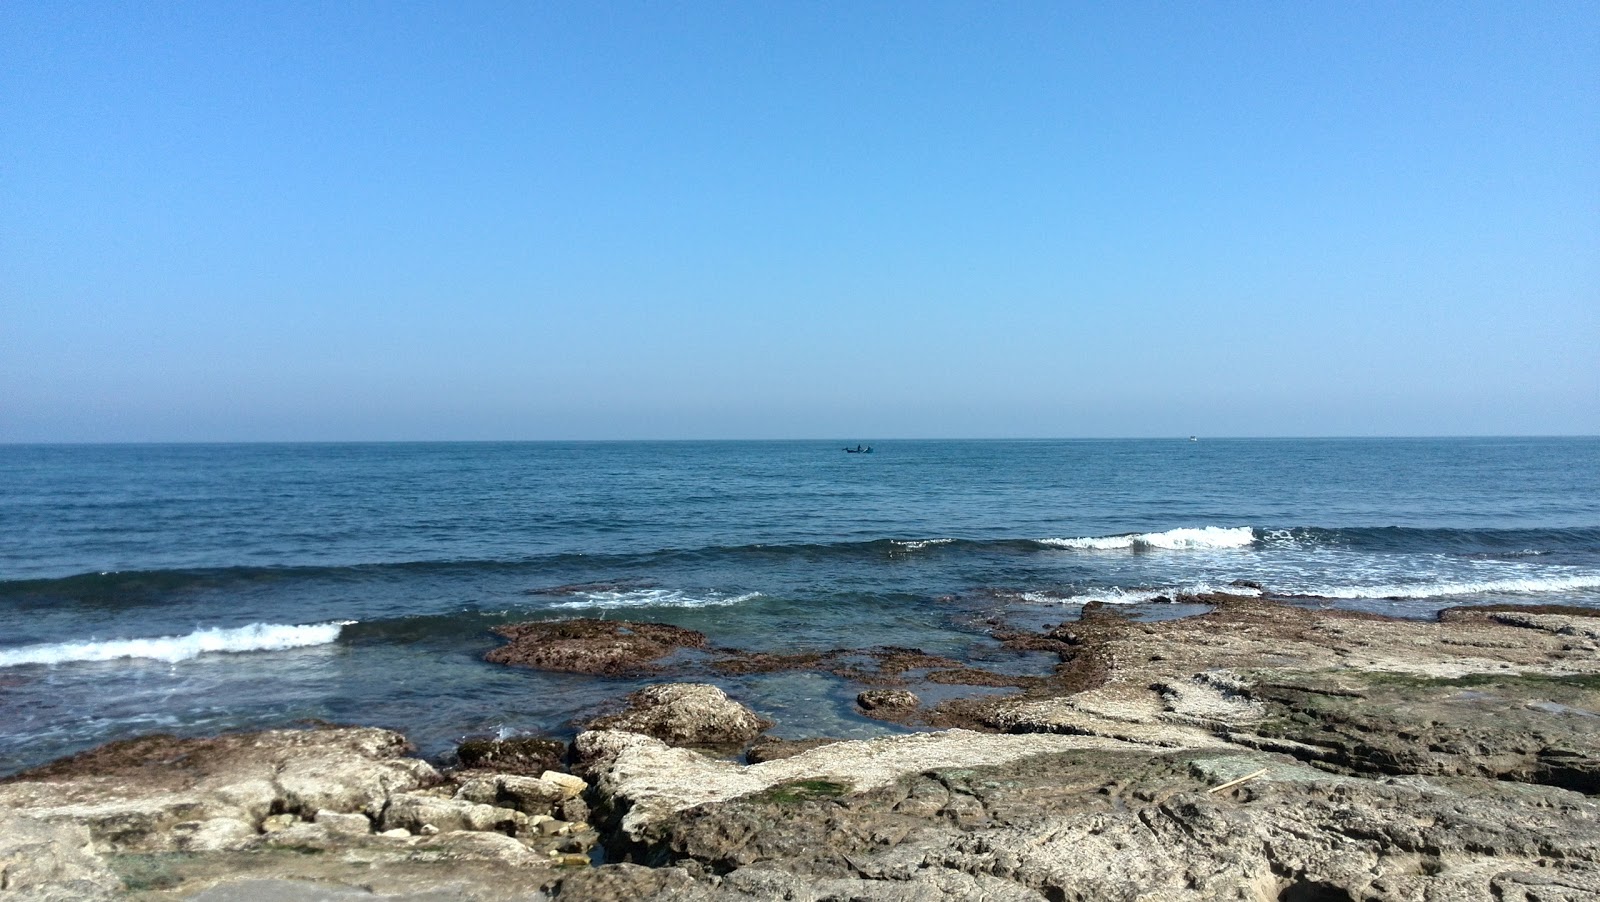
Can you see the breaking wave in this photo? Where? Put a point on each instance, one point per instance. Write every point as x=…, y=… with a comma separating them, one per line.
x=652, y=598
x=1203, y=537
x=1120, y=595
x=255, y=637
x=1446, y=588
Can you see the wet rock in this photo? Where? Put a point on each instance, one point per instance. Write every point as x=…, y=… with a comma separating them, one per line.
x=686, y=714
x=891, y=699
x=602, y=647
x=519, y=755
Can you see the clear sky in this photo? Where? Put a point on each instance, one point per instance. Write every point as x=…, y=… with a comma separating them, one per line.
x=858, y=220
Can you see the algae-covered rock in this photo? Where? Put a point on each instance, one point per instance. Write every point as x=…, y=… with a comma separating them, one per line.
x=526, y=755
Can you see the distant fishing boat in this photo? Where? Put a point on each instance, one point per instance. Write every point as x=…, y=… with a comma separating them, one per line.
x=859, y=450
x=1193, y=438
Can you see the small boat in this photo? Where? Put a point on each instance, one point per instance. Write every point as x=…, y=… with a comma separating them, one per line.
x=1194, y=438
x=859, y=450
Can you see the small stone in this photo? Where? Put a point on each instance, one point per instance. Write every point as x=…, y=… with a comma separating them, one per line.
x=579, y=843
x=570, y=786
x=275, y=822
x=397, y=833
x=554, y=827
x=530, y=795
x=344, y=824
x=575, y=810
x=480, y=791
x=428, y=830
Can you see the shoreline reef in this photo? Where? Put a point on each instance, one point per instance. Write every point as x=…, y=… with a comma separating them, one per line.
x=1262, y=751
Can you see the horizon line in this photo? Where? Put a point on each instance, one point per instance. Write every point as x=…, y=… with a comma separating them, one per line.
x=619, y=441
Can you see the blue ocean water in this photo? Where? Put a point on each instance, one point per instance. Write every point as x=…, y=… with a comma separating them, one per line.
x=196, y=588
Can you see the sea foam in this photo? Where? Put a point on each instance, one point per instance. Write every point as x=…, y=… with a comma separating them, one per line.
x=255, y=637
x=1120, y=595
x=652, y=598
x=1445, y=588
x=1202, y=537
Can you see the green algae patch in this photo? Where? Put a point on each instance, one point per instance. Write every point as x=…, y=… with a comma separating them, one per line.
x=802, y=791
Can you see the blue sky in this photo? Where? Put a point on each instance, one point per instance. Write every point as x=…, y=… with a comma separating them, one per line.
x=232, y=221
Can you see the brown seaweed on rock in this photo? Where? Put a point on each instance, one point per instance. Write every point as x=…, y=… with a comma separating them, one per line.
x=587, y=645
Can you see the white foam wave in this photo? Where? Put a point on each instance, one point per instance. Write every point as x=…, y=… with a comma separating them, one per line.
x=1203, y=537
x=918, y=544
x=255, y=637
x=1523, y=586
x=653, y=598
x=1119, y=595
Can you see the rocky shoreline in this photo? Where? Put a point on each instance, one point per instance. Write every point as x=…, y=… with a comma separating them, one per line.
x=1261, y=751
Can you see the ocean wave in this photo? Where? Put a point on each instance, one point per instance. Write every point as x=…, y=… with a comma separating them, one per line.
x=1185, y=538
x=255, y=637
x=1532, y=585
x=1510, y=543
x=1121, y=595
x=918, y=544
x=652, y=598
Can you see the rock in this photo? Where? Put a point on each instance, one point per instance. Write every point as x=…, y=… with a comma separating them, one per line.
x=574, y=810
x=624, y=883
x=278, y=822
x=519, y=755
x=568, y=785
x=648, y=780
x=874, y=699
x=602, y=647
x=1052, y=827
x=686, y=714
x=132, y=794
x=344, y=824
x=775, y=749
x=51, y=862
x=214, y=835
x=301, y=836
x=528, y=795
x=415, y=810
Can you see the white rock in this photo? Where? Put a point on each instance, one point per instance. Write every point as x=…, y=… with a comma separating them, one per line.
x=218, y=834
x=569, y=785
x=344, y=824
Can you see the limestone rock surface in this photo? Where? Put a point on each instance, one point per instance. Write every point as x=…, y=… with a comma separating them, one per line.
x=686, y=714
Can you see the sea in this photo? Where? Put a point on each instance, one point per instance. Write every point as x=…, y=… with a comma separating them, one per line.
x=194, y=589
